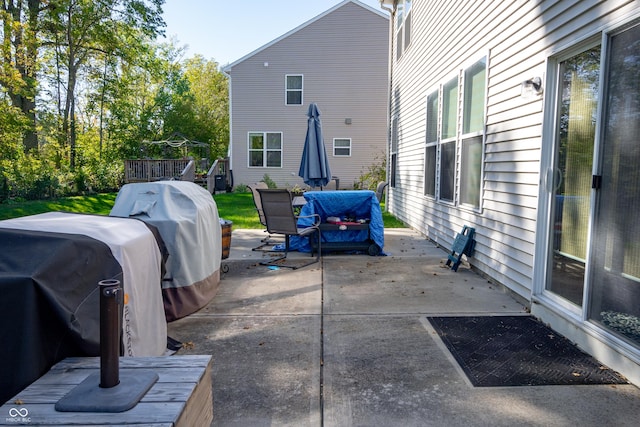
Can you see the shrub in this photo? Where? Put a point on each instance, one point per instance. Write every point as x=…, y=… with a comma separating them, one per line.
x=375, y=173
x=241, y=188
x=270, y=183
x=29, y=178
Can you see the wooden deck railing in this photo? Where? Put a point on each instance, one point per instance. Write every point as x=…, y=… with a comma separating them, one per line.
x=217, y=178
x=146, y=170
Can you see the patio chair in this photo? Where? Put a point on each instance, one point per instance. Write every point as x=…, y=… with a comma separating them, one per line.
x=278, y=212
x=380, y=190
x=268, y=240
x=331, y=185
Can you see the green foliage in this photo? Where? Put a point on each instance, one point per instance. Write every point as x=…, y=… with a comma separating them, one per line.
x=31, y=178
x=267, y=180
x=28, y=177
x=241, y=188
x=107, y=177
x=103, y=85
x=210, y=105
x=12, y=126
x=375, y=173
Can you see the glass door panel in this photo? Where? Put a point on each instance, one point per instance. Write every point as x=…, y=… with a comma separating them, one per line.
x=578, y=93
x=615, y=286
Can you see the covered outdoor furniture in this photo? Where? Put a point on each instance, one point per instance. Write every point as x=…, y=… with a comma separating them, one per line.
x=187, y=218
x=359, y=225
x=278, y=212
x=50, y=266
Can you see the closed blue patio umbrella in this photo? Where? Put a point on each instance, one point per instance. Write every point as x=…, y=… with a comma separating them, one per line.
x=314, y=167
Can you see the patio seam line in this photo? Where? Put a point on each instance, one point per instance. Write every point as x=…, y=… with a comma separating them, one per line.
x=388, y=314
x=321, y=343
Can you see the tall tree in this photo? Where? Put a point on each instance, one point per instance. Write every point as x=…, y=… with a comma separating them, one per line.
x=19, y=38
x=142, y=96
x=91, y=29
x=210, y=94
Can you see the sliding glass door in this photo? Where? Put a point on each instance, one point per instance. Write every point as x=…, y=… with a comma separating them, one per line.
x=615, y=282
x=593, y=262
x=575, y=144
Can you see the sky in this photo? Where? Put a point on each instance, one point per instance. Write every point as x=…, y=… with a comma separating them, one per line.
x=226, y=31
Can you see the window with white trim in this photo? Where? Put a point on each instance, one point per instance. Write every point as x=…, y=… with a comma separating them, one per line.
x=293, y=89
x=447, y=176
x=403, y=26
x=472, y=140
x=342, y=147
x=265, y=149
x=431, y=147
x=393, y=167
x=454, y=145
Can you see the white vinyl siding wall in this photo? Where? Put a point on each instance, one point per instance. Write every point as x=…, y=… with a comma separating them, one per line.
x=518, y=36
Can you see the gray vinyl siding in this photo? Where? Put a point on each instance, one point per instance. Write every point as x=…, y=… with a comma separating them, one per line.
x=343, y=56
x=517, y=37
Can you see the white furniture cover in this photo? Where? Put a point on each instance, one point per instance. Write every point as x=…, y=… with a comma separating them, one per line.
x=186, y=217
x=135, y=248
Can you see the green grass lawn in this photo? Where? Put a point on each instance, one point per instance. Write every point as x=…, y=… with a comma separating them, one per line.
x=235, y=207
x=96, y=204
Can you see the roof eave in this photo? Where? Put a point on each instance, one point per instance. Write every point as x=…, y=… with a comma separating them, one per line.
x=227, y=69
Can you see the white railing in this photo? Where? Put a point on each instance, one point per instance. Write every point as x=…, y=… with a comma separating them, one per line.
x=146, y=170
x=189, y=172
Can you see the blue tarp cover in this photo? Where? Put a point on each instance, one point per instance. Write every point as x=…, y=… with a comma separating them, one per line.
x=358, y=204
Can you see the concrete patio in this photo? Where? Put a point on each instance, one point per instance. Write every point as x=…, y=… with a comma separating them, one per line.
x=345, y=342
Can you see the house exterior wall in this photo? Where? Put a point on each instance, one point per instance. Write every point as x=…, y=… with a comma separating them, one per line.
x=343, y=57
x=517, y=38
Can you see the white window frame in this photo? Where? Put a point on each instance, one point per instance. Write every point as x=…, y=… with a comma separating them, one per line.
x=393, y=151
x=265, y=150
x=336, y=147
x=431, y=143
x=287, y=90
x=459, y=138
x=472, y=134
x=403, y=26
x=447, y=140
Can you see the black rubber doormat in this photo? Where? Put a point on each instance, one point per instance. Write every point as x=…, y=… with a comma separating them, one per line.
x=499, y=351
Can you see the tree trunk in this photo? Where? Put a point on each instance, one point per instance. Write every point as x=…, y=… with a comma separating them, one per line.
x=25, y=50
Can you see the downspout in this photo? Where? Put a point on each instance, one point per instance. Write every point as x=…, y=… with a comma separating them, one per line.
x=229, y=148
x=389, y=98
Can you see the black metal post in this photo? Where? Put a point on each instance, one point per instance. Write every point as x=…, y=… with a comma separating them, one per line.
x=110, y=332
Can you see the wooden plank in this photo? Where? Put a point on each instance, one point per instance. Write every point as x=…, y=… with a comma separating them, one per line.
x=200, y=404
x=181, y=397
x=166, y=375
x=42, y=392
x=139, y=362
